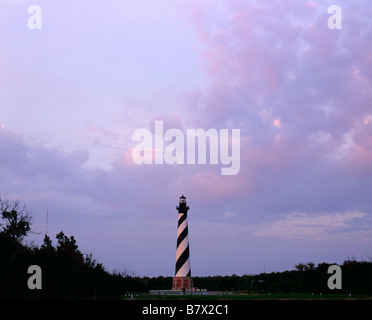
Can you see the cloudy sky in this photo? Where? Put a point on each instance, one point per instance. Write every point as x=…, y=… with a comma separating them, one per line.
x=73, y=92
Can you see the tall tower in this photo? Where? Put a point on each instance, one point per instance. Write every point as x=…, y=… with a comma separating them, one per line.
x=182, y=279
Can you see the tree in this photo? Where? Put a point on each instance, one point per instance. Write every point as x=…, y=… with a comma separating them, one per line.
x=311, y=266
x=47, y=245
x=16, y=219
x=89, y=262
x=67, y=246
x=300, y=267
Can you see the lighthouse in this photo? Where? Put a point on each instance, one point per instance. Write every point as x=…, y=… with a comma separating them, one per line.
x=182, y=279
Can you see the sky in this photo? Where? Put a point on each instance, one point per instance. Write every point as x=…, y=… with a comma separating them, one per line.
x=73, y=91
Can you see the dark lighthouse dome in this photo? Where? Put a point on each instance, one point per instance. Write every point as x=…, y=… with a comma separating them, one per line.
x=182, y=208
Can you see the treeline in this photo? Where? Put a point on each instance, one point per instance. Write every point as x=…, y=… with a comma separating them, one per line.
x=306, y=278
x=67, y=273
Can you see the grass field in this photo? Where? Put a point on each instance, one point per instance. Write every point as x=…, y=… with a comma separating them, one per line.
x=273, y=296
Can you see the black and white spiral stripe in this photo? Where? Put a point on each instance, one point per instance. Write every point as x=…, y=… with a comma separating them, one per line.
x=183, y=268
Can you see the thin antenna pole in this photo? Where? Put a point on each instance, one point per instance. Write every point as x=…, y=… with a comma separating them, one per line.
x=47, y=222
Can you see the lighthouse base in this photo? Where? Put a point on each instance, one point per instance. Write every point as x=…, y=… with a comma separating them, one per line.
x=183, y=284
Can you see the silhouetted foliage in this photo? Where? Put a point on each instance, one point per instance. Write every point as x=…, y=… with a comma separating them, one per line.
x=69, y=274
x=308, y=278
x=66, y=272
x=15, y=219
x=47, y=245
